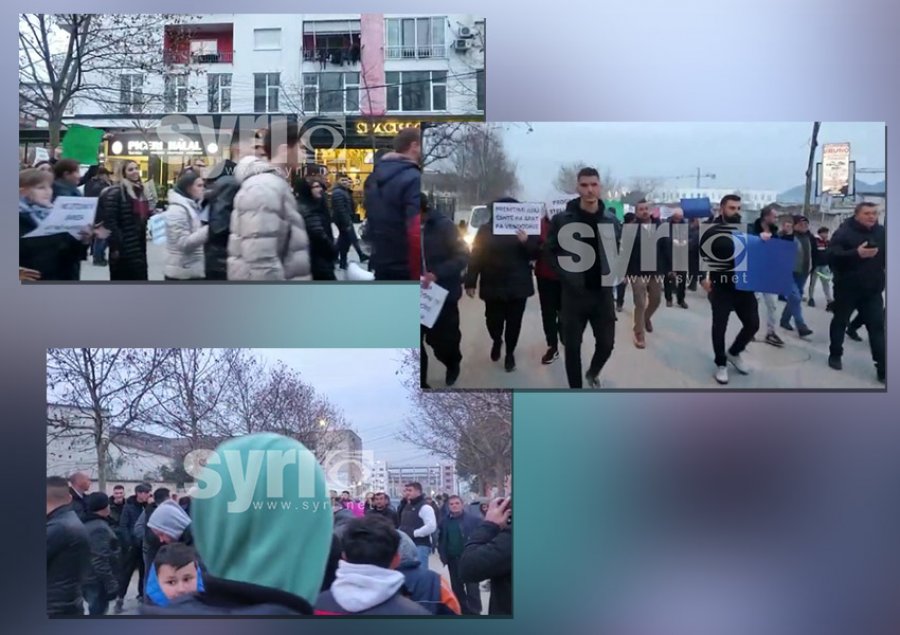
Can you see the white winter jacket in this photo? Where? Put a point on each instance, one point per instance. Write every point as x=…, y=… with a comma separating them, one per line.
x=185, y=237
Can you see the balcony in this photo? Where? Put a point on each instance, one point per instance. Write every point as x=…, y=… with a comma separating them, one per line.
x=415, y=52
x=187, y=57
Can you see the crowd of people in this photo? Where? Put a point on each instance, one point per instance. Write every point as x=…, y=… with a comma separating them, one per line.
x=573, y=293
x=194, y=556
x=252, y=217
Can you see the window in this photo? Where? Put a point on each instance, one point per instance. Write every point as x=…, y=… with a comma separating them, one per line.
x=479, y=89
x=219, y=92
x=132, y=92
x=416, y=90
x=331, y=92
x=204, y=47
x=176, y=92
x=416, y=37
x=265, y=93
x=267, y=39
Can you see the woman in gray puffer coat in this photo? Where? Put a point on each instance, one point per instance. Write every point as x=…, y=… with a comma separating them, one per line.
x=268, y=236
x=185, y=233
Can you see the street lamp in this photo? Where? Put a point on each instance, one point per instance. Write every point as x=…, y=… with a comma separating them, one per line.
x=322, y=423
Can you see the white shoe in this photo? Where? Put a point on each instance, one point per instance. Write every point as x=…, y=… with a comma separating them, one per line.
x=739, y=364
x=722, y=374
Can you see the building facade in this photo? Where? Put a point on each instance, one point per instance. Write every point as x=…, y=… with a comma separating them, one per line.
x=343, y=460
x=435, y=479
x=750, y=199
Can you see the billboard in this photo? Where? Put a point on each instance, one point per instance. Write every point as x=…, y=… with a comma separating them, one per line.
x=836, y=169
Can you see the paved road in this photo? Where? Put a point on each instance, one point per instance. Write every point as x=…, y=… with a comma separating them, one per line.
x=678, y=354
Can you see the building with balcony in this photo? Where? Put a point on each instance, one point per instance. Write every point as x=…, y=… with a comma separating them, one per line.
x=435, y=479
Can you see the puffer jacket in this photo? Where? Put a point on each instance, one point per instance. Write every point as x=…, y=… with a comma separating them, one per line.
x=128, y=233
x=68, y=562
x=185, y=235
x=105, y=553
x=268, y=238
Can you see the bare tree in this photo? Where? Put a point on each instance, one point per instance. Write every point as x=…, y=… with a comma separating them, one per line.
x=646, y=186
x=566, y=180
x=483, y=169
x=105, y=392
x=472, y=429
x=242, y=408
x=74, y=56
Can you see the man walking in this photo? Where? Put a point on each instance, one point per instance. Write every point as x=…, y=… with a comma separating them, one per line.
x=856, y=255
x=101, y=584
x=454, y=534
x=644, y=272
x=586, y=296
x=79, y=485
x=675, y=282
x=381, y=507
x=342, y=209
x=821, y=273
x=132, y=550
x=68, y=553
x=797, y=230
x=550, y=294
x=417, y=520
x=766, y=224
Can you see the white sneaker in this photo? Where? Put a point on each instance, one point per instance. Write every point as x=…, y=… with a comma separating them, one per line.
x=739, y=364
x=722, y=374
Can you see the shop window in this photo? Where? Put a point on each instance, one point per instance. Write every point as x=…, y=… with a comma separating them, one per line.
x=266, y=87
x=219, y=92
x=176, y=93
x=131, y=93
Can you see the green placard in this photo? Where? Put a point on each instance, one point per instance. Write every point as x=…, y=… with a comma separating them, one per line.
x=618, y=207
x=82, y=144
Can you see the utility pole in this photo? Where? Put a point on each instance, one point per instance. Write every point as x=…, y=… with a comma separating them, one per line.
x=705, y=176
x=809, y=166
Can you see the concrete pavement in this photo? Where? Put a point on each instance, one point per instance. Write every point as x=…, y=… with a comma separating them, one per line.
x=678, y=355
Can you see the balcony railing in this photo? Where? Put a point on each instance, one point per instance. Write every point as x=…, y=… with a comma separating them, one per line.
x=326, y=54
x=180, y=57
x=415, y=52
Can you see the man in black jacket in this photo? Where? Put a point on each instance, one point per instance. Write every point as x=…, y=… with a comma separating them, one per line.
x=79, y=484
x=68, y=553
x=220, y=204
x=857, y=259
x=455, y=530
x=676, y=244
x=718, y=250
x=381, y=507
x=132, y=550
x=444, y=257
x=488, y=555
x=101, y=585
x=587, y=295
x=342, y=209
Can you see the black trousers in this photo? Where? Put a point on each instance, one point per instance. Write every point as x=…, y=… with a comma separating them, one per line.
x=579, y=309
x=132, y=559
x=468, y=593
x=871, y=314
x=675, y=283
x=444, y=339
x=504, y=321
x=346, y=240
x=550, y=294
x=724, y=300
x=620, y=292
x=856, y=323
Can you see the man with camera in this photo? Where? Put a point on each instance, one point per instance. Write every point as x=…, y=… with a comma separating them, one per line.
x=488, y=554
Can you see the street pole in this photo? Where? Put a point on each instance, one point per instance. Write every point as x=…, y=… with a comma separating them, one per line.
x=809, y=166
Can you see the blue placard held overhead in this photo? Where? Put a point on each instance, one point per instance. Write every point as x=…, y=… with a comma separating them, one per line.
x=768, y=265
x=696, y=207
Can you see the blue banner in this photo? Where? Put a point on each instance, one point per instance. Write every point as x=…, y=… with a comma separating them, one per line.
x=768, y=264
x=696, y=207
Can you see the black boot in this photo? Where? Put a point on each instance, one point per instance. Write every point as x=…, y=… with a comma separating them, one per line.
x=495, y=351
x=510, y=363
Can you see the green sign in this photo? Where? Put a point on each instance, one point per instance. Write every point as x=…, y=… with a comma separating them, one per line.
x=82, y=144
x=618, y=208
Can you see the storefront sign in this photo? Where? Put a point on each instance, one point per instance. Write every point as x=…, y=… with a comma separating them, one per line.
x=140, y=147
x=384, y=128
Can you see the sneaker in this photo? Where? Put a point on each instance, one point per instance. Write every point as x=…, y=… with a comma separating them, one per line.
x=648, y=325
x=509, y=363
x=683, y=304
x=773, y=339
x=495, y=351
x=811, y=303
x=835, y=362
x=119, y=608
x=882, y=377
x=619, y=308
x=853, y=335
x=829, y=306
x=452, y=374
x=550, y=356
x=639, y=341
x=804, y=331
x=593, y=381
x=721, y=374
x=738, y=364
x=669, y=303
x=787, y=326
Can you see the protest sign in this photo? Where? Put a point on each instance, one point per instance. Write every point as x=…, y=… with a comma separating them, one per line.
x=82, y=144
x=696, y=207
x=769, y=264
x=431, y=301
x=40, y=154
x=70, y=215
x=510, y=217
x=157, y=224
x=617, y=208
x=556, y=206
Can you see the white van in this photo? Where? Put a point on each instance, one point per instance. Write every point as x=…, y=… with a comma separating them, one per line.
x=473, y=219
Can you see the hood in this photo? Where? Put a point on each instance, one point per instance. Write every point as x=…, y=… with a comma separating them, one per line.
x=243, y=535
x=359, y=587
x=155, y=593
x=251, y=166
x=170, y=519
x=409, y=556
x=177, y=198
x=392, y=165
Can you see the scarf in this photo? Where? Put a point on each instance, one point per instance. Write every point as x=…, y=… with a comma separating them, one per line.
x=140, y=206
x=37, y=213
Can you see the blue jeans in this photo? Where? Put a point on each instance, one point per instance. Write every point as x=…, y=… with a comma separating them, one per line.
x=424, y=551
x=99, y=249
x=794, y=306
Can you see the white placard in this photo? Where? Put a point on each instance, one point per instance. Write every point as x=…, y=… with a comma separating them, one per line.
x=157, y=224
x=510, y=217
x=557, y=205
x=431, y=301
x=40, y=154
x=70, y=215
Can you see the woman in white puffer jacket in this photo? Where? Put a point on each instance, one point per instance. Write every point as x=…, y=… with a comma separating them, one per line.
x=185, y=233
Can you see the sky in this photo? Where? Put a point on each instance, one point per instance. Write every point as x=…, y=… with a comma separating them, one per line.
x=362, y=383
x=766, y=156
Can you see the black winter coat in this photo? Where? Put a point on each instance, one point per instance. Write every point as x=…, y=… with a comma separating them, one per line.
x=388, y=512
x=850, y=271
x=95, y=187
x=342, y=208
x=661, y=246
x=322, y=251
x=503, y=263
x=576, y=281
x=393, y=197
x=220, y=203
x=128, y=234
x=68, y=562
x=488, y=555
x=444, y=252
x=57, y=257
x=78, y=505
x=130, y=513
x=105, y=554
